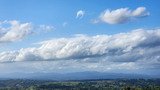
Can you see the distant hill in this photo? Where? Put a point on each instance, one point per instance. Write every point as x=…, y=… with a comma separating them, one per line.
x=74, y=76
x=103, y=84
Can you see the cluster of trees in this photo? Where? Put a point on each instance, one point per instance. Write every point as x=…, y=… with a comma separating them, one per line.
x=118, y=84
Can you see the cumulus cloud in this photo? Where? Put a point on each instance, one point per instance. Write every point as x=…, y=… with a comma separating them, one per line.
x=123, y=15
x=14, y=30
x=80, y=14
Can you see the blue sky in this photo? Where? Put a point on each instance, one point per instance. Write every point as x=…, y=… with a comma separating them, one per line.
x=30, y=28
x=55, y=12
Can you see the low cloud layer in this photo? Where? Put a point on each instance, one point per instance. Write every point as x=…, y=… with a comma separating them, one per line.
x=123, y=15
x=14, y=30
x=138, y=47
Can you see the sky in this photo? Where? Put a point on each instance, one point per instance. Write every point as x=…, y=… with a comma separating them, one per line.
x=80, y=35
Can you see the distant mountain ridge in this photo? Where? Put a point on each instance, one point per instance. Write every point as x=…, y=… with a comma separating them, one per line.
x=74, y=76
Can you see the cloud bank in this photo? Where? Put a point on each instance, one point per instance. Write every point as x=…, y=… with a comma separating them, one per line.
x=123, y=15
x=138, y=47
x=135, y=50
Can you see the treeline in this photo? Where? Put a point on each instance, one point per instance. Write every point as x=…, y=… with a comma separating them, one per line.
x=118, y=84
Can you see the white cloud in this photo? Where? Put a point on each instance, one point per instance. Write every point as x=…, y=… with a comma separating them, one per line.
x=136, y=49
x=80, y=14
x=123, y=15
x=14, y=30
x=140, y=12
x=46, y=27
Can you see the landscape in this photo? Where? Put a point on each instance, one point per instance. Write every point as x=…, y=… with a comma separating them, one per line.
x=98, y=84
x=79, y=45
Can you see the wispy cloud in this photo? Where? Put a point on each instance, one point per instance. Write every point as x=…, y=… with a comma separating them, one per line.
x=64, y=24
x=123, y=15
x=80, y=14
